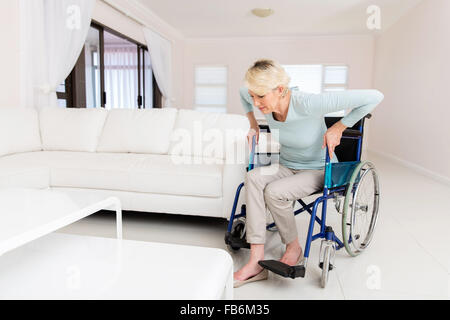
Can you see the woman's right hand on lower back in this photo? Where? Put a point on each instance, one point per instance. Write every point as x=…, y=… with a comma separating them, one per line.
x=251, y=133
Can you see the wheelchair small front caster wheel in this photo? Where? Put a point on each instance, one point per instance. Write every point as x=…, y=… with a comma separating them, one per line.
x=326, y=258
x=238, y=235
x=326, y=266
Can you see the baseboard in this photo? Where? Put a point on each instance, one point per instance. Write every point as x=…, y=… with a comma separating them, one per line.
x=415, y=167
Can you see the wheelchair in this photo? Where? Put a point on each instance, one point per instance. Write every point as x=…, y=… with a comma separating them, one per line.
x=354, y=187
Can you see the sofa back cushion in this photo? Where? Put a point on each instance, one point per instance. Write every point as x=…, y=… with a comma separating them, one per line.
x=19, y=130
x=71, y=129
x=138, y=130
x=206, y=134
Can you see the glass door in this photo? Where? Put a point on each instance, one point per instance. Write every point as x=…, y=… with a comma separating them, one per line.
x=120, y=72
x=148, y=81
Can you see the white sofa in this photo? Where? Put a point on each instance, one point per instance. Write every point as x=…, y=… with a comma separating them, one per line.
x=159, y=160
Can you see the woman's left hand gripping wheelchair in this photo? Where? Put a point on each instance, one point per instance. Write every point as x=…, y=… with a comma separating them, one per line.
x=354, y=186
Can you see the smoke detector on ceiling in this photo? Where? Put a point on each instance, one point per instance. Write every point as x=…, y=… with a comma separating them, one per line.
x=262, y=12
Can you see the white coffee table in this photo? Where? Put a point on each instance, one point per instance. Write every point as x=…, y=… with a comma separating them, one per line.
x=28, y=214
x=63, y=266
x=36, y=263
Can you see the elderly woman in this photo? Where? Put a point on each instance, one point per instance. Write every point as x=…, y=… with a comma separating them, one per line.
x=303, y=136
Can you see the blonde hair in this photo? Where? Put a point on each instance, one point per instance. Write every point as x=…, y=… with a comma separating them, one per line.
x=266, y=75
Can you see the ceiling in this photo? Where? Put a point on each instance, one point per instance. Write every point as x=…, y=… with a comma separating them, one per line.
x=232, y=18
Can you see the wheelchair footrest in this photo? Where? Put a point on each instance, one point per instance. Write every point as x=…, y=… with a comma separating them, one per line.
x=283, y=269
x=236, y=242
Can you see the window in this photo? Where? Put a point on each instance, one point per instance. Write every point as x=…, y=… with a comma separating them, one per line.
x=62, y=93
x=307, y=78
x=211, y=88
x=319, y=78
x=112, y=72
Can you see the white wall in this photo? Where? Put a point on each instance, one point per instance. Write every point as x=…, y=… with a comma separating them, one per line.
x=117, y=21
x=9, y=55
x=412, y=69
x=239, y=53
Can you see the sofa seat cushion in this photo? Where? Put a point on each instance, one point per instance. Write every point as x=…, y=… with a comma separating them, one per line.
x=178, y=175
x=145, y=173
x=19, y=170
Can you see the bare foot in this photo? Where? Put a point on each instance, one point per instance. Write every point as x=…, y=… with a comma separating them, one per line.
x=249, y=270
x=292, y=254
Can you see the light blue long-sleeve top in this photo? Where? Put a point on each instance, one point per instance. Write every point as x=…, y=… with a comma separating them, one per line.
x=301, y=134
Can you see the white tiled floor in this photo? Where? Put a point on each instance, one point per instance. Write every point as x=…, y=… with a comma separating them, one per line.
x=408, y=259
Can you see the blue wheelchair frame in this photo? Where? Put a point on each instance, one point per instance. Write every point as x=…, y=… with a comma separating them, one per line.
x=336, y=180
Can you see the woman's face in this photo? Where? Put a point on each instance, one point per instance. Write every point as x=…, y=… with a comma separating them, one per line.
x=267, y=103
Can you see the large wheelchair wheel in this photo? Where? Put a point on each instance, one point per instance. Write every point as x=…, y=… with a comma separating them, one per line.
x=360, y=212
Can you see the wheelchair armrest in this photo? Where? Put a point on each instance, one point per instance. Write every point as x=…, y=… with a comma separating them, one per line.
x=351, y=133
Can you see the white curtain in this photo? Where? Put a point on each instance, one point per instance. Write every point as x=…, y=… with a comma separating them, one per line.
x=161, y=56
x=121, y=76
x=53, y=33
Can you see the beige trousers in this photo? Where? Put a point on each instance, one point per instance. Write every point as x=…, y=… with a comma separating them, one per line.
x=276, y=188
